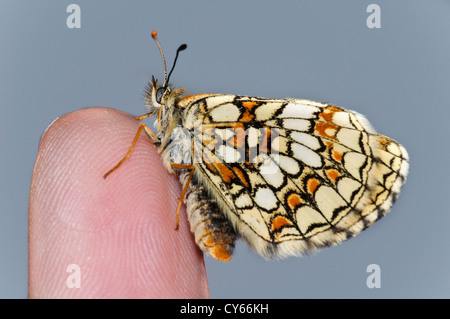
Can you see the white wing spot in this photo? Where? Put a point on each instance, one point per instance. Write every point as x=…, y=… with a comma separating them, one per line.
x=299, y=111
x=328, y=200
x=243, y=201
x=228, y=154
x=350, y=138
x=306, y=139
x=253, y=137
x=265, y=198
x=342, y=119
x=306, y=155
x=287, y=164
x=306, y=216
x=266, y=111
x=272, y=174
x=225, y=113
x=346, y=187
x=297, y=124
x=353, y=163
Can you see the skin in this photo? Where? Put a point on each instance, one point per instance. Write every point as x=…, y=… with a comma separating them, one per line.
x=119, y=232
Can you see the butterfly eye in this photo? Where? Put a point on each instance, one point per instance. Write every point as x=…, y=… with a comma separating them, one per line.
x=159, y=94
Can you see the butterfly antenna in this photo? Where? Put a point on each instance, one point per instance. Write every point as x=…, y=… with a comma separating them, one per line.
x=154, y=36
x=180, y=48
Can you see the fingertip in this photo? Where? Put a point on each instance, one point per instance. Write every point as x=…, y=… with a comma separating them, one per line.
x=119, y=230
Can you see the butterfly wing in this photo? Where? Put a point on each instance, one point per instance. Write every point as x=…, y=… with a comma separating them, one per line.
x=292, y=175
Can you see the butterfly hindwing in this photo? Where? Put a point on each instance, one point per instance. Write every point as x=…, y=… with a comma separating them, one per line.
x=292, y=175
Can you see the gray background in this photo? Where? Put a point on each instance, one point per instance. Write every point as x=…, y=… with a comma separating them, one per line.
x=398, y=76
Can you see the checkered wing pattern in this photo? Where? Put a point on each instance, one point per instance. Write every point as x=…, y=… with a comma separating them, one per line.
x=292, y=175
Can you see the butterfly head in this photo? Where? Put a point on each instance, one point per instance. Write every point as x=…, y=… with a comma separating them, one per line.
x=156, y=95
x=161, y=97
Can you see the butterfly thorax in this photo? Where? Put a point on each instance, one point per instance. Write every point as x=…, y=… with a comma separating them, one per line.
x=173, y=141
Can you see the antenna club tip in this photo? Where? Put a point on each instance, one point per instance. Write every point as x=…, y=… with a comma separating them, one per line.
x=154, y=34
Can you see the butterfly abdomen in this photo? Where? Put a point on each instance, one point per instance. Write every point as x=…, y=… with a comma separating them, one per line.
x=212, y=230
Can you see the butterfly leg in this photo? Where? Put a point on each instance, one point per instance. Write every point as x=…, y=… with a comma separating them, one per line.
x=141, y=127
x=143, y=116
x=180, y=201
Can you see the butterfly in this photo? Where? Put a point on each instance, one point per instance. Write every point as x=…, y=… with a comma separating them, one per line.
x=288, y=176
